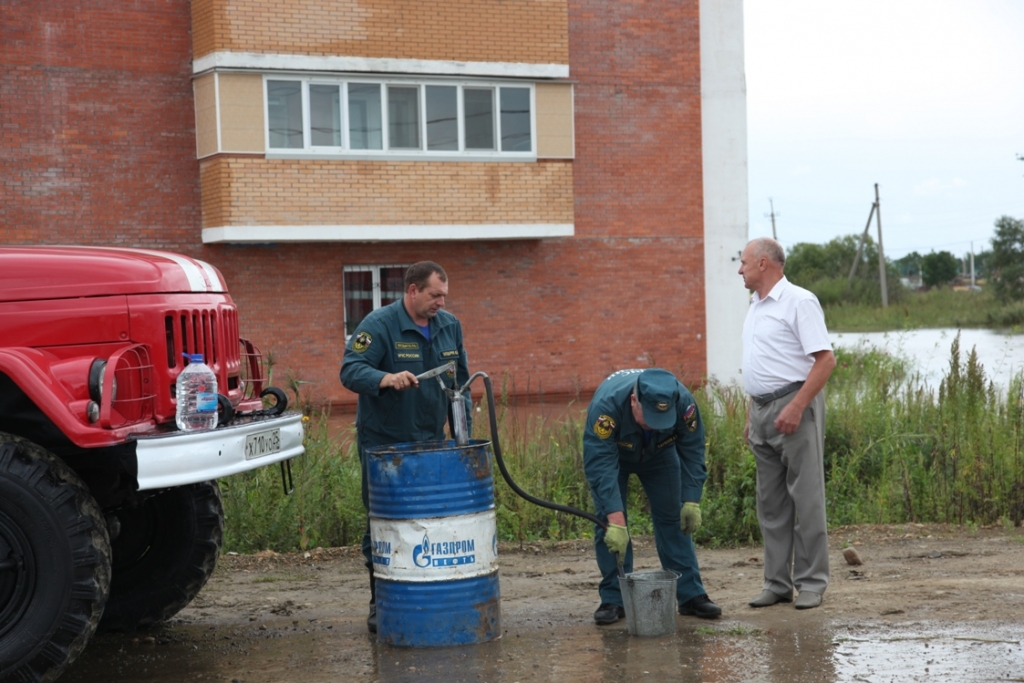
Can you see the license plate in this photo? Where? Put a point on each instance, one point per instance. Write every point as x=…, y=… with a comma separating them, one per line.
x=262, y=443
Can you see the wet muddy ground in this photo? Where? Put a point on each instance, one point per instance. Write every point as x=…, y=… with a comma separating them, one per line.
x=928, y=603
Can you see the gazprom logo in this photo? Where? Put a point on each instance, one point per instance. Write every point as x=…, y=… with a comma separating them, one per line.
x=382, y=552
x=445, y=554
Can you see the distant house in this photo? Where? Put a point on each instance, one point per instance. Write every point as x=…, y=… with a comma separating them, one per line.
x=912, y=281
x=579, y=168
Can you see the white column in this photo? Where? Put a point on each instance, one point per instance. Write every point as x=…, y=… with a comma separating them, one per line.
x=724, y=139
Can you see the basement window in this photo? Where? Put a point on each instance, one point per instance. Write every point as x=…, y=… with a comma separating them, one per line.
x=367, y=288
x=400, y=118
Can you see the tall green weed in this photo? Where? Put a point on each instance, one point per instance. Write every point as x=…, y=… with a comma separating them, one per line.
x=325, y=509
x=896, y=451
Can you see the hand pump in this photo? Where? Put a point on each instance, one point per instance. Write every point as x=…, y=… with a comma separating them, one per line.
x=455, y=395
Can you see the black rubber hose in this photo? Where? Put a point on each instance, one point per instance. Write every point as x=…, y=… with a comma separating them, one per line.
x=508, y=478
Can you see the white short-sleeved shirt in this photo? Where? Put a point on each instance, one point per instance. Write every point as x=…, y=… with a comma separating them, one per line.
x=780, y=333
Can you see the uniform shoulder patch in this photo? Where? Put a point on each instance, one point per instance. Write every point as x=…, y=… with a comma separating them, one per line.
x=690, y=417
x=604, y=426
x=361, y=342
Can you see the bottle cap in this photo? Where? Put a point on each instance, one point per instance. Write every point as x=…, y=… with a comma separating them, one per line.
x=194, y=357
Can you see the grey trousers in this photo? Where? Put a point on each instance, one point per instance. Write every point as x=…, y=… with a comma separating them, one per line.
x=791, y=497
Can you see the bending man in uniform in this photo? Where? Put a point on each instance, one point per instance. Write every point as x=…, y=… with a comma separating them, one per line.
x=645, y=422
x=388, y=349
x=787, y=359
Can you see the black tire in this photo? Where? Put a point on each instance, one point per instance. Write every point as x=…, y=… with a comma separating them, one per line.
x=163, y=554
x=54, y=563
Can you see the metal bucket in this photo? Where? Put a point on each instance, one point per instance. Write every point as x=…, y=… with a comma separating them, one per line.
x=649, y=598
x=435, y=543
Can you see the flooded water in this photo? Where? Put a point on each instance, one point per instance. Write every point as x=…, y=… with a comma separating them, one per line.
x=1001, y=353
x=922, y=654
x=314, y=651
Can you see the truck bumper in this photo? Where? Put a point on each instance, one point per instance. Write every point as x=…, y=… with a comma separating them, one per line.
x=183, y=458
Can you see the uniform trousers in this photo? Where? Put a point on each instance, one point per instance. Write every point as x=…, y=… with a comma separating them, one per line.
x=660, y=477
x=791, y=496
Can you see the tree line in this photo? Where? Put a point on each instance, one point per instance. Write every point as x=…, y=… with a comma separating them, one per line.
x=825, y=268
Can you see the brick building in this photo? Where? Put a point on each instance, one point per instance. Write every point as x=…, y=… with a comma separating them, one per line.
x=578, y=167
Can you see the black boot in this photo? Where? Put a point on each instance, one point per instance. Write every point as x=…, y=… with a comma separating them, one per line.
x=608, y=613
x=371, y=621
x=700, y=606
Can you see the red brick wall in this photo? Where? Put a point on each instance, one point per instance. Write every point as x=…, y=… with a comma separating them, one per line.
x=558, y=316
x=638, y=135
x=97, y=128
x=97, y=134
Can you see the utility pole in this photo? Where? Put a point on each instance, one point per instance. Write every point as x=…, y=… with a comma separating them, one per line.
x=860, y=246
x=972, y=265
x=772, y=214
x=881, y=251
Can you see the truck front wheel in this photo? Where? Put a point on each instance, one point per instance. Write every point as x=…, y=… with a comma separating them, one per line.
x=54, y=563
x=163, y=553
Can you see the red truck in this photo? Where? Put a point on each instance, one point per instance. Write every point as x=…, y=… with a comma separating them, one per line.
x=110, y=517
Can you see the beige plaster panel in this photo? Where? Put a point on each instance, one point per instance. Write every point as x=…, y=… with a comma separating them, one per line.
x=555, y=121
x=241, y=113
x=206, y=116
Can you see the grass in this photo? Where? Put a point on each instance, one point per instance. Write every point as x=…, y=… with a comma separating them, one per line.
x=325, y=508
x=896, y=452
x=545, y=458
x=735, y=632
x=940, y=307
x=276, y=579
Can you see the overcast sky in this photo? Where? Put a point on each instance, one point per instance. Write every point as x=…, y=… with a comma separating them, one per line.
x=923, y=97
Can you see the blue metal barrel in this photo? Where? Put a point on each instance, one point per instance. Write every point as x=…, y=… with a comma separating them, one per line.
x=435, y=543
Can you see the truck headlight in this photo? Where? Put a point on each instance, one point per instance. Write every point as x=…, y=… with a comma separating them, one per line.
x=96, y=371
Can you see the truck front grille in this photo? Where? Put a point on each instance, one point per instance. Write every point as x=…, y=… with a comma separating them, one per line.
x=211, y=332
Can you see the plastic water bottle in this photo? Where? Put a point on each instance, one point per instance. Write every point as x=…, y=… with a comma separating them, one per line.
x=196, y=391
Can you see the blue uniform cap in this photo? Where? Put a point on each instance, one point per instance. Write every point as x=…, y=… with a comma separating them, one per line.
x=657, y=391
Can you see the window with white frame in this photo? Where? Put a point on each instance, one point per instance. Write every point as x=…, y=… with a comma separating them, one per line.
x=367, y=288
x=324, y=116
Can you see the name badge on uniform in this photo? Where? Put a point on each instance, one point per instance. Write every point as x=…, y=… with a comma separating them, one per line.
x=407, y=351
x=667, y=441
x=450, y=354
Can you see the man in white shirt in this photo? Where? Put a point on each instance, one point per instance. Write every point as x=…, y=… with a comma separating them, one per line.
x=787, y=359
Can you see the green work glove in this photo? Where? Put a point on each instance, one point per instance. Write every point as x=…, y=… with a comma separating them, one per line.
x=616, y=538
x=689, y=518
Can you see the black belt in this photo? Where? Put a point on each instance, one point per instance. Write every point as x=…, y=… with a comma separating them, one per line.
x=778, y=393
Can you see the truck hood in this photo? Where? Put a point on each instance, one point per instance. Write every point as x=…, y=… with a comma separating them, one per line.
x=58, y=272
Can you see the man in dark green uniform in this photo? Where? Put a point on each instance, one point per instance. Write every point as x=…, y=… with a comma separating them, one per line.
x=388, y=349
x=645, y=422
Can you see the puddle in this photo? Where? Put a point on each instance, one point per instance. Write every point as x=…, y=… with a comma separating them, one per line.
x=918, y=653
x=315, y=651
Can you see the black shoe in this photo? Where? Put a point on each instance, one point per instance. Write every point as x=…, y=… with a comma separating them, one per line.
x=371, y=621
x=608, y=613
x=700, y=606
